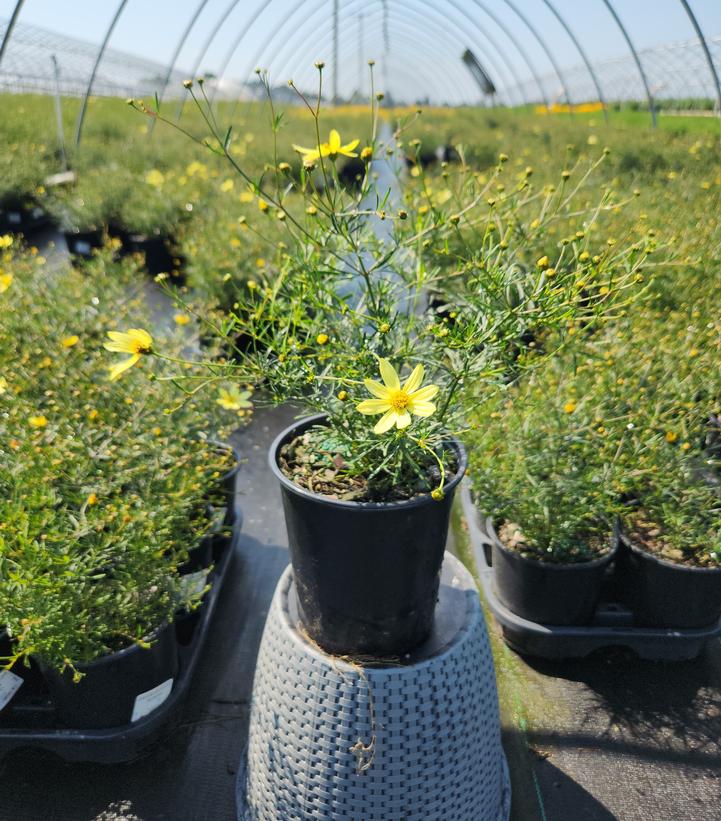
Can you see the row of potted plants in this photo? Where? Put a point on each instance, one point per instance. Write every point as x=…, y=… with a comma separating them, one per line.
x=610, y=457
x=109, y=497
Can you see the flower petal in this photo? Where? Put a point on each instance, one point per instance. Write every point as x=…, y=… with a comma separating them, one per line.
x=424, y=394
x=119, y=347
x=142, y=337
x=334, y=142
x=414, y=380
x=422, y=408
x=403, y=420
x=369, y=406
x=385, y=423
x=348, y=147
x=117, y=370
x=301, y=150
x=390, y=377
x=381, y=391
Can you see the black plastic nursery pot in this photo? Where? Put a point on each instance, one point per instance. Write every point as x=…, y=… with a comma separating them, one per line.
x=21, y=217
x=366, y=574
x=665, y=594
x=546, y=592
x=83, y=243
x=159, y=258
x=117, y=689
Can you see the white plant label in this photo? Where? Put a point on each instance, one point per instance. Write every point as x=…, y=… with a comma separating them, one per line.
x=194, y=583
x=9, y=685
x=150, y=700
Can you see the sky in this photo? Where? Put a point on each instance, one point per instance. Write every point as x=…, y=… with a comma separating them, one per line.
x=425, y=37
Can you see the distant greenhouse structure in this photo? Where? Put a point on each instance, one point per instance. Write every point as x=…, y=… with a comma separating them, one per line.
x=675, y=71
x=476, y=55
x=27, y=66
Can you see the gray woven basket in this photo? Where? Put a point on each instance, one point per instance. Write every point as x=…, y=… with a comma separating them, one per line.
x=410, y=741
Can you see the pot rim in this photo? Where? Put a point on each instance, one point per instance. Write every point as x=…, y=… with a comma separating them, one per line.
x=307, y=421
x=590, y=563
x=154, y=636
x=626, y=540
x=228, y=447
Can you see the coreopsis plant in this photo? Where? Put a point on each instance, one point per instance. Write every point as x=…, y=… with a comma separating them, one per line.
x=441, y=294
x=104, y=492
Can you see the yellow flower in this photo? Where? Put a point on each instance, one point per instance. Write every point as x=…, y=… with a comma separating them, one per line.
x=5, y=241
x=263, y=205
x=38, y=421
x=181, y=319
x=6, y=281
x=330, y=149
x=569, y=407
x=136, y=342
x=227, y=185
x=233, y=398
x=671, y=436
x=397, y=402
x=155, y=178
x=3, y=385
x=322, y=339
x=543, y=262
x=91, y=500
x=70, y=341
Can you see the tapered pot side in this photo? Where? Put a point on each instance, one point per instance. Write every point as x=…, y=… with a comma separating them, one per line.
x=665, y=594
x=366, y=574
x=547, y=592
x=118, y=688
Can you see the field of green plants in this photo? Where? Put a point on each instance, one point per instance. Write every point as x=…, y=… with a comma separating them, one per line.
x=601, y=403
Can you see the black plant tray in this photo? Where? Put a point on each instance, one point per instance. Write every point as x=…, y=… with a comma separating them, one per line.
x=612, y=624
x=29, y=722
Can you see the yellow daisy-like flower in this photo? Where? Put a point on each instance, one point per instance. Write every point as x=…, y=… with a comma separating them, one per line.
x=233, y=398
x=155, y=178
x=6, y=280
x=71, y=341
x=3, y=385
x=5, y=241
x=331, y=149
x=38, y=421
x=181, y=319
x=136, y=342
x=397, y=402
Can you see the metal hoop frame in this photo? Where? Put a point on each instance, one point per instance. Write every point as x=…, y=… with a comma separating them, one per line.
x=636, y=59
x=408, y=33
x=448, y=25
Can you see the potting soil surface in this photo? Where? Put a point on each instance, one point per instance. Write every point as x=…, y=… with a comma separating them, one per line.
x=609, y=737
